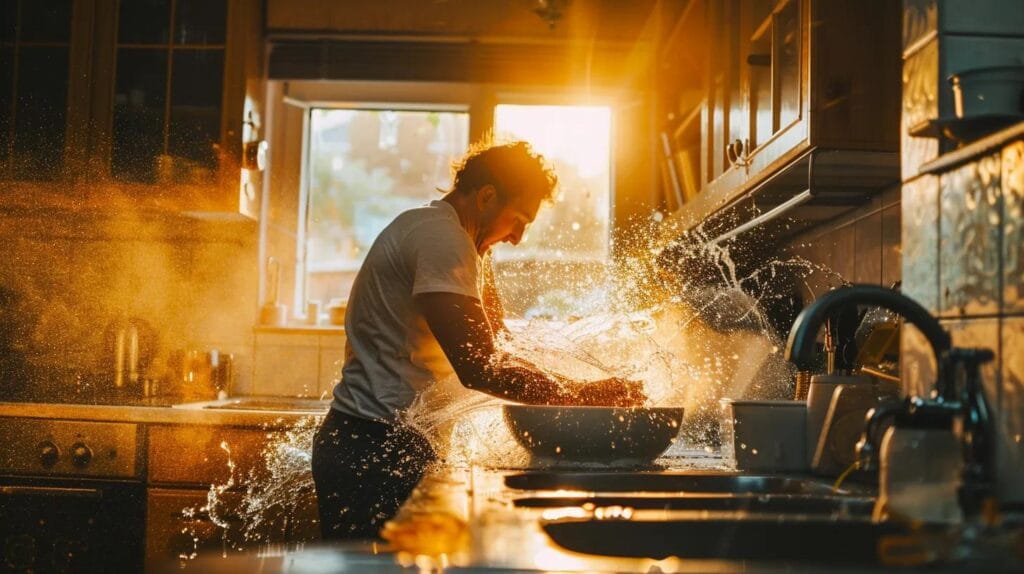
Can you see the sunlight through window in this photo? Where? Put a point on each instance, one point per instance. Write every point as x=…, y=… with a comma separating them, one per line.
x=576, y=141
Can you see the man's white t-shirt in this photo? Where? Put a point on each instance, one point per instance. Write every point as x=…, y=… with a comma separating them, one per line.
x=390, y=354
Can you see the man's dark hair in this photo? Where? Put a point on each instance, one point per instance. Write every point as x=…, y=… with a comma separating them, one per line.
x=512, y=168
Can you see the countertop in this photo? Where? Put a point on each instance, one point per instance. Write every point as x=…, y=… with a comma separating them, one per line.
x=196, y=413
x=470, y=512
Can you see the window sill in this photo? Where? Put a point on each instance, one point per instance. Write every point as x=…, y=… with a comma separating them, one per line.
x=301, y=329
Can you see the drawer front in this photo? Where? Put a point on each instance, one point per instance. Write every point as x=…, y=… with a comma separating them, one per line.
x=204, y=455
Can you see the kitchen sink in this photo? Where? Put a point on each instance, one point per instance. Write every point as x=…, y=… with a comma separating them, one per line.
x=767, y=537
x=771, y=503
x=666, y=481
x=274, y=404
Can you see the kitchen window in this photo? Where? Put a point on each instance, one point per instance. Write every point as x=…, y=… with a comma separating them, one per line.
x=564, y=254
x=365, y=161
x=575, y=140
x=364, y=167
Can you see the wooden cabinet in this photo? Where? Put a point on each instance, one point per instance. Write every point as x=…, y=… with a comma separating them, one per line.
x=146, y=103
x=787, y=80
x=186, y=461
x=36, y=86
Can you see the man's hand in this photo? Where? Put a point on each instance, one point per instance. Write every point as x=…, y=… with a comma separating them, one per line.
x=612, y=392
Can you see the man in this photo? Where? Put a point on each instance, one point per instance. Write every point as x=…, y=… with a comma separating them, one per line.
x=415, y=316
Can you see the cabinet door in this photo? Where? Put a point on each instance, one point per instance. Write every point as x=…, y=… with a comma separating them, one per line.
x=35, y=41
x=773, y=60
x=180, y=524
x=168, y=91
x=726, y=91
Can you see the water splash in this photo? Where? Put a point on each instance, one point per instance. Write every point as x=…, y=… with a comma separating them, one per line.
x=688, y=319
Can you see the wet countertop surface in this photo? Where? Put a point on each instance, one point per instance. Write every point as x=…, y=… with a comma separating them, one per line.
x=236, y=411
x=467, y=519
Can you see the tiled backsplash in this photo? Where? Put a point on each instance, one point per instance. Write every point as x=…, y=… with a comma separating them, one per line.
x=65, y=278
x=961, y=225
x=303, y=363
x=861, y=247
x=977, y=241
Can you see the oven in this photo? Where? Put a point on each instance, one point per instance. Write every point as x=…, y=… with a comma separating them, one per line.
x=72, y=497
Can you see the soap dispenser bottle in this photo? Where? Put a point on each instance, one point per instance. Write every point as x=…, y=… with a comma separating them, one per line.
x=920, y=463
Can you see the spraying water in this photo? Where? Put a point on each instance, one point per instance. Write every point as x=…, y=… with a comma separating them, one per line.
x=687, y=320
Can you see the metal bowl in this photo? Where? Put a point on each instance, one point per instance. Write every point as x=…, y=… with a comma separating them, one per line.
x=557, y=435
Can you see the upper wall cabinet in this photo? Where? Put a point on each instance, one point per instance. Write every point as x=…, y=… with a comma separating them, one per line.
x=145, y=101
x=800, y=104
x=35, y=65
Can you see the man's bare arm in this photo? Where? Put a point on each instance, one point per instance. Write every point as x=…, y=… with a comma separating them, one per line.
x=464, y=333
x=460, y=326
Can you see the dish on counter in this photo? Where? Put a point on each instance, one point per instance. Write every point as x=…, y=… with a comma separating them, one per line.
x=575, y=435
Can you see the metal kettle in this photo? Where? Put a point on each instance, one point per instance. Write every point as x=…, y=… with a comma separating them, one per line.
x=129, y=351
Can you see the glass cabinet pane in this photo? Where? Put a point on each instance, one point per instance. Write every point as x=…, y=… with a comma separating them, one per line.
x=139, y=101
x=144, y=21
x=787, y=54
x=759, y=69
x=196, y=106
x=41, y=111
x=6, y=93
x=45, y=21
x=8, y=20
x=200, y=21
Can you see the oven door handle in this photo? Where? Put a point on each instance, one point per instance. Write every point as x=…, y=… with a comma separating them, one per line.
x=50, y=491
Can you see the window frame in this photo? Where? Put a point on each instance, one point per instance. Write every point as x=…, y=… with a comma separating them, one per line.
x=301, y=245
x=288, y=104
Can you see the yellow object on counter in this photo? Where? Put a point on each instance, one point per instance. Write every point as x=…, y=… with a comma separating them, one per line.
x=427, y=534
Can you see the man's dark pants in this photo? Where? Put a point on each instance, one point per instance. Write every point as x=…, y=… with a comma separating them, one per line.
x=364, y=470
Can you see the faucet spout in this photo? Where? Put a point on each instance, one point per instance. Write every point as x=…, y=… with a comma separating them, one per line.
x=800, y=346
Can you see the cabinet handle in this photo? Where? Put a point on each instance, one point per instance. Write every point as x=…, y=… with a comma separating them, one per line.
x=738, y=153
x=50, y=491
x=759, y=59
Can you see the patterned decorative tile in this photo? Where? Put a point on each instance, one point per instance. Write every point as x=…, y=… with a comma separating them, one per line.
x=920, y=18
x=980, y=333
x=1010, y=439
x=917, y=362
x=971, y=208
x=920, y=103
x=920, y=243
x=1013, y=227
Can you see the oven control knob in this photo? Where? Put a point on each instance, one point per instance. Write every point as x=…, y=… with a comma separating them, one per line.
x=20, y=552
x=81, y=454
x=48, y=453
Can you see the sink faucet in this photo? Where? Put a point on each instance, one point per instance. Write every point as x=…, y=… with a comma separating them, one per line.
x=800, y=346
x=958, y=388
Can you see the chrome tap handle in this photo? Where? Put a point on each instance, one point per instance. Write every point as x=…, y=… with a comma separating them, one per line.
x=870, y=442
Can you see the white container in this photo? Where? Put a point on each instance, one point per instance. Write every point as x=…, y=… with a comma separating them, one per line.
x=765, y=436
x=919, y=476
x=819, y=397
